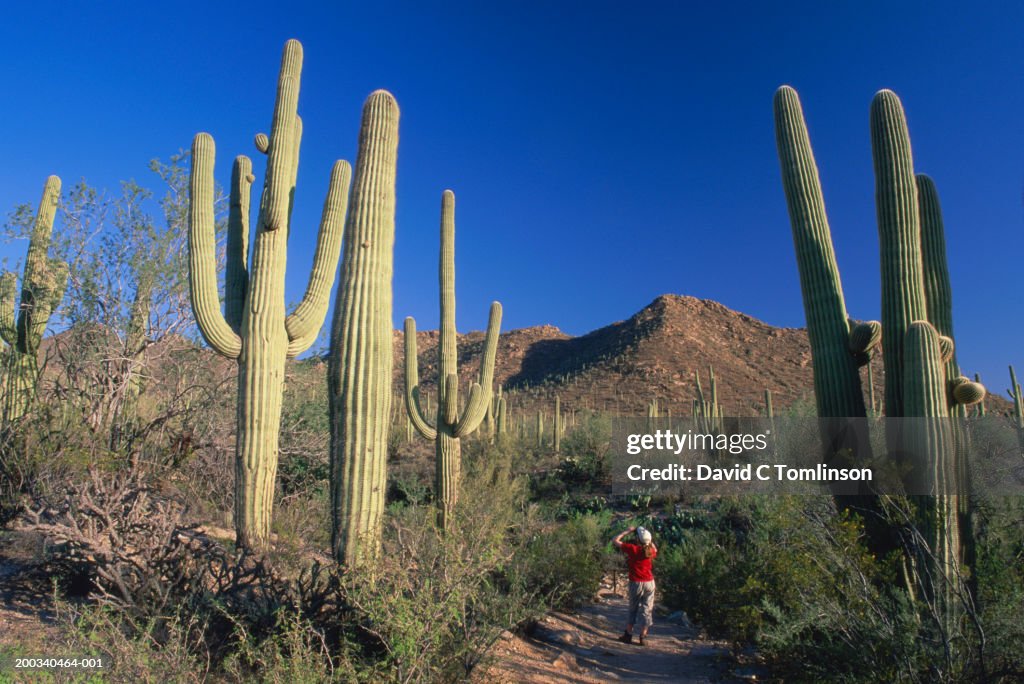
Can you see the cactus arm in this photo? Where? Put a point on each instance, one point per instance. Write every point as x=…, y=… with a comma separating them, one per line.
x=202, y=253
x=305, y=322
x=8, y=322
x=36, y=261
x=280, y=176
x=470, y=422
x=447, y=345
x=236, y=271
x=412, y=390
x=480, y=392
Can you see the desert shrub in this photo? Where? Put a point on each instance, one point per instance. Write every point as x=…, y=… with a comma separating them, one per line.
x=564, y=562
x=999, y=577
x=169, y=602
x=793, y=576
x=132, y=545
x=586, y=451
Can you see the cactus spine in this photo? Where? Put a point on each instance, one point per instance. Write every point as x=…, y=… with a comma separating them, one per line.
x=361, y=360
x=450, y=425
x=837, y=387
x=261, y=337
x=22, y=324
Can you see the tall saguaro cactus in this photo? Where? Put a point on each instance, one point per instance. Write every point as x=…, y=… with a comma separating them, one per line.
x=837, y=386
x=22, y=325
x=254, y=329
x=899, y=237
x=450, y=425
x=361, y=359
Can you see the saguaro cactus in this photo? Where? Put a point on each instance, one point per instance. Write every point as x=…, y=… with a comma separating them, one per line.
x=259, y=335
x=450, y=425
x=929, y=438
x=899, y=237
x=556, y=432
x=361, y=356
x=22, y=325
x=837, y=387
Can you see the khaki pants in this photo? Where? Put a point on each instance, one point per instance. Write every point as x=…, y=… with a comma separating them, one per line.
x=641, y=603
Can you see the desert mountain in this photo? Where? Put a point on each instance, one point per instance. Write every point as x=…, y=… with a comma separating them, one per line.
x=652, y=355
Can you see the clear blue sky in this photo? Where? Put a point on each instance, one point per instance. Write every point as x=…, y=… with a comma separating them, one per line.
x=602, y=153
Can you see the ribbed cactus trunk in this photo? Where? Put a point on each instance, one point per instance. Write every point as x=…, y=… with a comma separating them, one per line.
x=929, y=434
x=837, y=386
x=23, y=323
x=939, y=301
x=556, y=439
x=501, y=421
x=937, y=287
x=450, y=425
x=899, y=236
x=260, y=336
x=361, y=355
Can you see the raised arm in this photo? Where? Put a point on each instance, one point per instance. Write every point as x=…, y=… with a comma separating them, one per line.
x=617, y=542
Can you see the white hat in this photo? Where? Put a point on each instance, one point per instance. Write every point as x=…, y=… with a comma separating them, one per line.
x=643, y=536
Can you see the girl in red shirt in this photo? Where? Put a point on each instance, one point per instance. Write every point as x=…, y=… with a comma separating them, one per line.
x=641, y=581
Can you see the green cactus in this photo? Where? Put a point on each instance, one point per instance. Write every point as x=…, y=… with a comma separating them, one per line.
x=837, y=387
x=938, y=292
x=501, y=420
x=259, y=336
x=769, y=412
x=1018, y=403
x=556, y=432
x=22, y=324
x=1018, y=407
x=450, y=425
x=930, y=436
x=359, y=375
x=899, y=236
x=540, y=430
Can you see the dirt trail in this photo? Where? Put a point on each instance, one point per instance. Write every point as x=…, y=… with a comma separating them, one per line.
x=582, y=647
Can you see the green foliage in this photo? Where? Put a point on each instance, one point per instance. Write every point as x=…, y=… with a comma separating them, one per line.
x=565, y=562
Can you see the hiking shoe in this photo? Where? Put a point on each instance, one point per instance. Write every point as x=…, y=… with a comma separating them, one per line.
x=642, y=641
x=626, y=638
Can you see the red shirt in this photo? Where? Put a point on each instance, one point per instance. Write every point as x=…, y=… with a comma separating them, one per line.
x=639, y=567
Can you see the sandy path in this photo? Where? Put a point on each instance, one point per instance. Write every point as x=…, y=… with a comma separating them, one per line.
x=581, y=648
